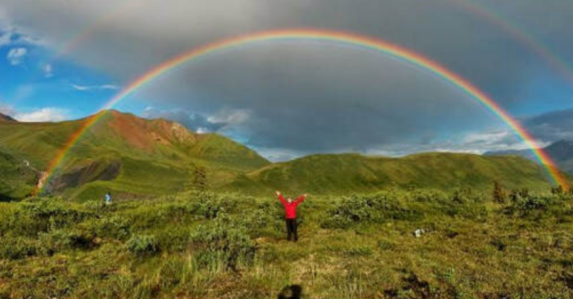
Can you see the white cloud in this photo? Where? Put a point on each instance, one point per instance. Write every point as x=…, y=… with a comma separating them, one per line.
x=5, y=39
x=202, y=130
x=15, y=55
x=222, y=121
x=302, y=96
x=279, y=154
x=13, y=36
x=94, y=87
x=7, y=109
x=48, y=70
x=229, y=116
x=42, y=115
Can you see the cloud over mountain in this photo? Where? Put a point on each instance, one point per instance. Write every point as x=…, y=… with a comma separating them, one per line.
x=302, y=97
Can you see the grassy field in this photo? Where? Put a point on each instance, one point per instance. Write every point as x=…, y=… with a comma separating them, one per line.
x=206, y=245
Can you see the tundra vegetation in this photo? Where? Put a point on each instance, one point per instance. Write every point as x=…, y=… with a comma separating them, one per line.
x=199, y=244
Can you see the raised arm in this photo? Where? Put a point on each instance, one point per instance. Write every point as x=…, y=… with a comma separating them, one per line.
x=300, y=199
x=281, y=198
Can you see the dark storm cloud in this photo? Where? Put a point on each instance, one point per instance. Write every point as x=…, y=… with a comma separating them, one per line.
x=306, y=97
x=552, y=126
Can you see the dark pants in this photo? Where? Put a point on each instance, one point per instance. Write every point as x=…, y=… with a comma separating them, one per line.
x=291, y=229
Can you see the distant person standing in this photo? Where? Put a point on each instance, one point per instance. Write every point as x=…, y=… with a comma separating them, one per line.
x=290, y=214
x=108, y=198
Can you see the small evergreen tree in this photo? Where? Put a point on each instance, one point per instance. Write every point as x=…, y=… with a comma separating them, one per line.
x=197, y=178
x=498, y=194
x=200, y=178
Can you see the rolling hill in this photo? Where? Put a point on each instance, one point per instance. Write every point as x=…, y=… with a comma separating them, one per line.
x=137, y=157
x=343, y=173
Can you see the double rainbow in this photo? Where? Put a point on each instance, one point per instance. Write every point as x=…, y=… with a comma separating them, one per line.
x=337, y=37
x=512, y=29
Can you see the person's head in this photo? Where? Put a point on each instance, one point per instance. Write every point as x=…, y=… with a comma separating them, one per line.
x=289, y=200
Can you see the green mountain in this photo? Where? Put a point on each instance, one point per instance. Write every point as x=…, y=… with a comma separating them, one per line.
x=17, y=178
x=560, y=152
x=127, y=155
x=136, y=157
x=343, y=173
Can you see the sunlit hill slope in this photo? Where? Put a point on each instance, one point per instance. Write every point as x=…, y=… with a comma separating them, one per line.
x=137, y=157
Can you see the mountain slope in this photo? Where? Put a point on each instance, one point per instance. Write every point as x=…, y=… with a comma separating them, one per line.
x=560, y=152
x=127, y=154
x=357, y=173
x=6, y=118
x=17, y=178
x=136, y=157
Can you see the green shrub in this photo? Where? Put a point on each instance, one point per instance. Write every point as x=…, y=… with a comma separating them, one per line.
x=466, y=210
x=116, y=227
x=209, y=205
x=264, y=219
x=59, y=240
x=30, y=218
x=536, y=205
x=377, y=208
x=17, y=248
x=142, y=245
x=222, y=244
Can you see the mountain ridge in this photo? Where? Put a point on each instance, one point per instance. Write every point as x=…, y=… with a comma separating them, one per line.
x=126, y=153
x=336, y=173
x=138, y=157
x=6, y=118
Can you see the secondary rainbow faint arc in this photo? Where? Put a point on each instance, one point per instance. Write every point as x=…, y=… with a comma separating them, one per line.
x=522, y=36
x=370, y=43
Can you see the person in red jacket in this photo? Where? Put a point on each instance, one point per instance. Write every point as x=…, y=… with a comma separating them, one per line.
x=290, y=214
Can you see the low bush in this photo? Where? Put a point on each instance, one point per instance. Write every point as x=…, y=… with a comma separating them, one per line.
x=115, y=227
x=536, y=205
x=142, y=245
x=209, y=205
x=59, y=240
x=378, y=208
x=222, y=245
x=43, y=215
x=17, y=248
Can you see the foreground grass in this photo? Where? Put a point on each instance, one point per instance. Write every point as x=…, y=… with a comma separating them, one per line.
x=203, y=245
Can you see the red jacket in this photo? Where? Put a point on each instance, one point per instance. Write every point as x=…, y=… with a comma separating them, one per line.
x=291, y=207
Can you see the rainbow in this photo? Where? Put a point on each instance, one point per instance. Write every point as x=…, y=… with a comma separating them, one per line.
x=522, y=36
x=100, y=23
x=345, y=38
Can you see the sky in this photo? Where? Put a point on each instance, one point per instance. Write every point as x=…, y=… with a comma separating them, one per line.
x=62, y=59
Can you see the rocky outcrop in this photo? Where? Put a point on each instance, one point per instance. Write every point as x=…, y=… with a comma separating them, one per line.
x=95, y=171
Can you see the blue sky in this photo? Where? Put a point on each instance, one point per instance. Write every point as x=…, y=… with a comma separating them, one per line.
x=35, y=81
x=294, y=98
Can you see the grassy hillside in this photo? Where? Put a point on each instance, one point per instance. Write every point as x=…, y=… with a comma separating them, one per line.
x=228, y=246
x=338, y=174
x=136, y=157
x=17, y=180
x=127, y=154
